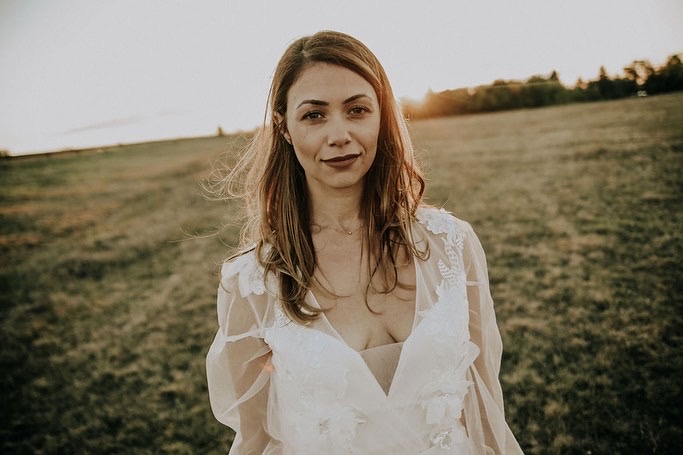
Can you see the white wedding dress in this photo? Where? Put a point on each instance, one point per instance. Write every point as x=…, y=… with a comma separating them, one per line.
x=287, y=388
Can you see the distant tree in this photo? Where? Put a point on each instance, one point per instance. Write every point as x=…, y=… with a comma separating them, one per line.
x=622, y=88
x=578, y=93
x=437, y=104
x=433, y=105
x=604, y=85
x=536, y=79
x=674, y=60
x=672, y=74
x=639, y=71
x=666, y=78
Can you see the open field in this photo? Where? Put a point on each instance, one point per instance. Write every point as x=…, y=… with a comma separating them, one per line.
x=107, y=307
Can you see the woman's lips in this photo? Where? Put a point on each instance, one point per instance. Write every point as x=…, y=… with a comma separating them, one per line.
x=343, y=161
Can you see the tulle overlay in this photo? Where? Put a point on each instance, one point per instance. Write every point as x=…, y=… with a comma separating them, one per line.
x=286, y=388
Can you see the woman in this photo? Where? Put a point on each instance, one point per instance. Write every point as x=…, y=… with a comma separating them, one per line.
x=355, y=320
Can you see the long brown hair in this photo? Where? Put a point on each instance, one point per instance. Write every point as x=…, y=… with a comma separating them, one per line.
x=272, y=184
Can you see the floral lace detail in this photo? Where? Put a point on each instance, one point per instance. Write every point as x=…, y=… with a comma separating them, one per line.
x=439, y=221
x=319, y=420
x=328, y=430
x=448, y=438
x=447, y=322
x=443, y=395
x=249, y=272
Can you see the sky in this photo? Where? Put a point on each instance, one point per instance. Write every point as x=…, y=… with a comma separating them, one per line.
x=86, y=73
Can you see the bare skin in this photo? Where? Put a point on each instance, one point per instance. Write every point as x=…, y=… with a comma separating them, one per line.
x=343, y=270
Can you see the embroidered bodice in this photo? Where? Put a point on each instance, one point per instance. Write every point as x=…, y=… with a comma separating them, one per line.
x=288, y=388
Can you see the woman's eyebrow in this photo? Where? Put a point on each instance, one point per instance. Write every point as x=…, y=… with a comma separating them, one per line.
x=325, y=103
x=314, y=102
x=355, y=97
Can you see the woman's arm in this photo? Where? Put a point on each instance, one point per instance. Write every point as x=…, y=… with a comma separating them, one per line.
x=238, y=368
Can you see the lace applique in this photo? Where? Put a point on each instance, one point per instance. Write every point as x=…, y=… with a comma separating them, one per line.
x=319, y=420
x=447, y=322
x=442, y=396
x=453, y=283
x=328, y=430
x=249, y=273
x=445, y=439
x=439, y=221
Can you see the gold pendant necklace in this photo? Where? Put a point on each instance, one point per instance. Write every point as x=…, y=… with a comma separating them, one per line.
x=341, y=231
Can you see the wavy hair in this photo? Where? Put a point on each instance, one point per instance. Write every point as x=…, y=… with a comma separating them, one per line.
x=270, y=181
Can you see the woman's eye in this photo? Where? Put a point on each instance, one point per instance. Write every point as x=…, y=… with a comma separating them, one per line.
x=359, y=110
x=314, y=115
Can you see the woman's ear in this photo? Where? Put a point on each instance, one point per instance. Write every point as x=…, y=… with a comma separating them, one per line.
x=282, y=127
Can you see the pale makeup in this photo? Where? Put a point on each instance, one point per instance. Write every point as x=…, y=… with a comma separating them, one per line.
x=333, y=122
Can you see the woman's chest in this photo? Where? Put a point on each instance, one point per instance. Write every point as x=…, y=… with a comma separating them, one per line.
x=371, y=314
x=364, y=322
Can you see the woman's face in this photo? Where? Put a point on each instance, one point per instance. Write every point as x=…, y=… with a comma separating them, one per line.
x=333, y=121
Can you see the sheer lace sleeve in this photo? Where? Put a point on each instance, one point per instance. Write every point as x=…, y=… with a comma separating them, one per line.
x=238, y=362
x=484, y=412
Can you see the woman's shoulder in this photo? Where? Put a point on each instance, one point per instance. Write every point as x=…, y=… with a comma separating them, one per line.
x=441, y=222
x=244, y=272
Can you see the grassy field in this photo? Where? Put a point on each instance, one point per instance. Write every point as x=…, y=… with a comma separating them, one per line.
x=107, y=302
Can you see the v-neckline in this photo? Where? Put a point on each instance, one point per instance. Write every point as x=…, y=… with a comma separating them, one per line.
x=336, y=336
x=418, y=279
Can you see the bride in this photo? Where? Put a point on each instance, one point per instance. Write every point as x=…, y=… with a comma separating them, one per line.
x=355, y=320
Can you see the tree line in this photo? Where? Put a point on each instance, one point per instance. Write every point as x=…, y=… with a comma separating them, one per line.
x=640, y=78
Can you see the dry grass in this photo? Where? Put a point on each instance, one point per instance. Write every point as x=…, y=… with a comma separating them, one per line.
x=108, y=309
x=579, y=209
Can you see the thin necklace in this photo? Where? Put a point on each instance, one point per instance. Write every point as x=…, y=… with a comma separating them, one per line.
x=341, y=231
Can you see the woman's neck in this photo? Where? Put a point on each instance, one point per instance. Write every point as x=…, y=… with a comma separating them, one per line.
x=339, y=210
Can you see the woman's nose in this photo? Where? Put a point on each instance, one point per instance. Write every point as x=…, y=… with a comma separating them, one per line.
x=338, y=133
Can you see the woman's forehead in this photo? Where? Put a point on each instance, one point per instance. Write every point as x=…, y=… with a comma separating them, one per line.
x=328, y=83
